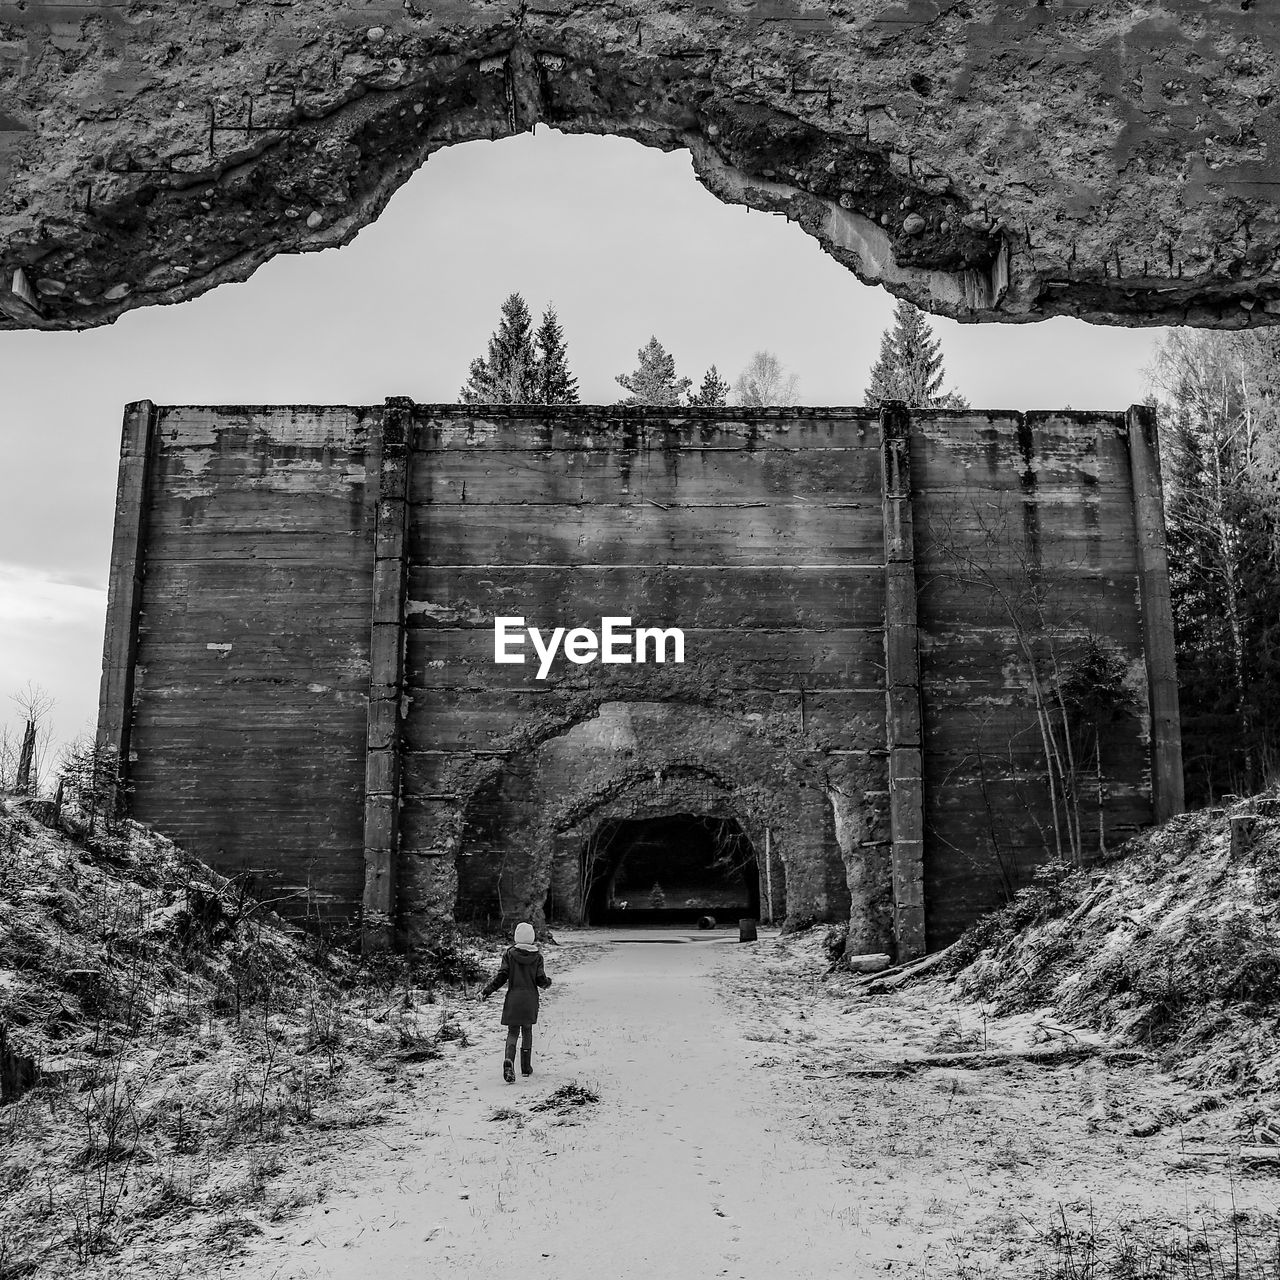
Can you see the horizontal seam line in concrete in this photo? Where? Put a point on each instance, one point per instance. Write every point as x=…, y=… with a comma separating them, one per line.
x=871, y=630
x=737, y=568
x=478, y=751
x=576, y=503
x=520, y=688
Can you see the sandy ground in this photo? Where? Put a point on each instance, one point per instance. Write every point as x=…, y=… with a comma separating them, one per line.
x=754, y=1121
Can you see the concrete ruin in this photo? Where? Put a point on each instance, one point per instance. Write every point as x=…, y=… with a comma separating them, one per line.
x=989, y=159
x=883, y=616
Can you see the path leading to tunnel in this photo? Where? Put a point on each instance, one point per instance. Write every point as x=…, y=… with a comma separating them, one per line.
x=689, y=1164
x=756, y=1120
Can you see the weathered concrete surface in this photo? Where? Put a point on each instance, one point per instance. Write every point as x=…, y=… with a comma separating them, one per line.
x=255, y=607
x=246, y=717
x=990, y=159
x=759, y=535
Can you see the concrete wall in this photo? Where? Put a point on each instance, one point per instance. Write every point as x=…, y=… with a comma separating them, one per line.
x=246, y=740
x=761, y=540
x=358, y=738
x=1025, y=546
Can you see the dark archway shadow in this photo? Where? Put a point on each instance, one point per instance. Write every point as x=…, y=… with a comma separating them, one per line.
x=673, y=870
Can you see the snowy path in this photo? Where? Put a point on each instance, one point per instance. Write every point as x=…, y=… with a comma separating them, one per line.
x=752, y=1122
x=690, y=1164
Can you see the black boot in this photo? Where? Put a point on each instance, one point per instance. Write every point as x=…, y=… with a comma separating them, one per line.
x=508, y=1070
x=526, y=1061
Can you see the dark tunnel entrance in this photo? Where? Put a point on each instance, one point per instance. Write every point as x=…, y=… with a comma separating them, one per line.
x=669, y=870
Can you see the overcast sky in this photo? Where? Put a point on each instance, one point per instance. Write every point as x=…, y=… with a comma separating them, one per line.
x=623, y=241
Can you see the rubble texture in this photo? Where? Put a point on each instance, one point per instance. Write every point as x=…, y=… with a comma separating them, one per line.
x=1175, y=946
x=171, y=1051
x=989, y=159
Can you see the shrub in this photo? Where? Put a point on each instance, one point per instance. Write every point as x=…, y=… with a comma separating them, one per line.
x=834, y=942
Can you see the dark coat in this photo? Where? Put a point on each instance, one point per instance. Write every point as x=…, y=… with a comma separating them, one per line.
x=523, y=973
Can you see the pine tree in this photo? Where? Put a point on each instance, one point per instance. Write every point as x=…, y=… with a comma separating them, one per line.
x=910, y=365
x=554, y=383
x=654, y=381
x=1220, y=438
x=507, y=373
x=714, y=392
x=90, y=779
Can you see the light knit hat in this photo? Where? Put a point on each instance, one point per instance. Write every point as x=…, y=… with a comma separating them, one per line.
x=524, y=934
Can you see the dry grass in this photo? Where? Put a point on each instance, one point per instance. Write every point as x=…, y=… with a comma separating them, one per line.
x=183, y=1039
x=1076, y=1243
x=567, y=1097
x=507, y=1113
x=1194, y=932
x=1175, y=947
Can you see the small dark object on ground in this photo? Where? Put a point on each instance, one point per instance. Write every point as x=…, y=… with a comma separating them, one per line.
x=746, y=931
x=566, y=1097
x=421, y=1053
x=447, y=959
x=451, y=1030
x=706, y=922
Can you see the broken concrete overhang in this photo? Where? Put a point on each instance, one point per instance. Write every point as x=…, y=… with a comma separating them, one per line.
x=988, y=159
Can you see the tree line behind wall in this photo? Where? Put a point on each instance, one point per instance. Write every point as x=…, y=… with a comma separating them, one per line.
x=1219, y=403
x=527, y=366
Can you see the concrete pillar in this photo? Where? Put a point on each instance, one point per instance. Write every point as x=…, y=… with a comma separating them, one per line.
x=124, y=593
x=390, y=481
x=1157, y=614
x=902, y=684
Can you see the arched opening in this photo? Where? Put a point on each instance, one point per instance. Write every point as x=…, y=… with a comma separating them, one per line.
x=672, y=869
